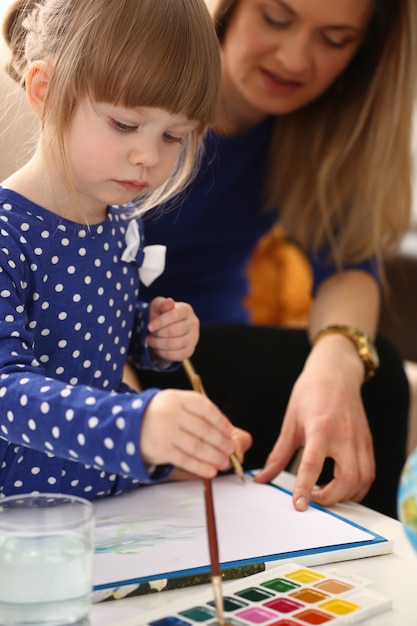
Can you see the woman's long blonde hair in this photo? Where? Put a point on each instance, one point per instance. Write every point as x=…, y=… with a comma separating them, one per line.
x=341, y=167
x=157, y=53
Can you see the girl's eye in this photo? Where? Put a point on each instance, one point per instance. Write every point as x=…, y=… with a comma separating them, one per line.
x=124, y=128
x=172, y=139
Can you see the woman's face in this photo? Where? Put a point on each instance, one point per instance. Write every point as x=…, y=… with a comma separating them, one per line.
x=279, y=55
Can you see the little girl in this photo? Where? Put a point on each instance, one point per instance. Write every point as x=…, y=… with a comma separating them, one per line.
x=123, y=90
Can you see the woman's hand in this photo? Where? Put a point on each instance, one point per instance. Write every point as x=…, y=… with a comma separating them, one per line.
x=325, y=414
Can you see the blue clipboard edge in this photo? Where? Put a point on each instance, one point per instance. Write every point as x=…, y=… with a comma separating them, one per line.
x=376, y=545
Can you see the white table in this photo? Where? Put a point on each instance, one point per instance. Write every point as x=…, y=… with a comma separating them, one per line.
x=394, y=574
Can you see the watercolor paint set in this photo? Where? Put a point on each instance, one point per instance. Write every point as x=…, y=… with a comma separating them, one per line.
x=288, y=595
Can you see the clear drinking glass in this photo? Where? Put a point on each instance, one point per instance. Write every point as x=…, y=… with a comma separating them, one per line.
x=46, y=559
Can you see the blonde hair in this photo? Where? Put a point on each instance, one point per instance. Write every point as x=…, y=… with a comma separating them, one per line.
x=156, y=53
x=340, y=167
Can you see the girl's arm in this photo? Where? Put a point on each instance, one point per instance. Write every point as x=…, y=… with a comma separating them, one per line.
x=130, y=378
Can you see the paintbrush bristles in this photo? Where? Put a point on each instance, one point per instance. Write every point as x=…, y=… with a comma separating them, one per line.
x=218, y=600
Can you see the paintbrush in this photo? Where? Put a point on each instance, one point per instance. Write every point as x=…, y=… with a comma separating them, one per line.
x=197, y=385
x=216, y=576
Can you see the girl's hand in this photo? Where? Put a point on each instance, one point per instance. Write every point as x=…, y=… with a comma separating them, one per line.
x=243, y=441
x=186, y=429
x=174, y=329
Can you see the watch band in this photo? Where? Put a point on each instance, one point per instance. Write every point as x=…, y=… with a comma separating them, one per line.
x=362, y=342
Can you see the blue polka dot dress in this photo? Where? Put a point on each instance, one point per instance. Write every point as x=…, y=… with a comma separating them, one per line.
x=69, y=310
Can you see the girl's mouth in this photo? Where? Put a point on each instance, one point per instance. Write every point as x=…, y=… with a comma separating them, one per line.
x=132, y=185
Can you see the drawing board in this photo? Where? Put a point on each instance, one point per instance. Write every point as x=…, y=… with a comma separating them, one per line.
x=159, y=531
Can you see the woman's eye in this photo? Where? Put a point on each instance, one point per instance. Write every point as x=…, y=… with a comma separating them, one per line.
x=124, y=128
x=276, y=20
x=336, y=43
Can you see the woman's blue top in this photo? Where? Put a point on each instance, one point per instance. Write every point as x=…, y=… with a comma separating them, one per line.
x=212, y=229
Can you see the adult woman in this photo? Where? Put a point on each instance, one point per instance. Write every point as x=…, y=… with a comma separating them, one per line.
x=311, y=122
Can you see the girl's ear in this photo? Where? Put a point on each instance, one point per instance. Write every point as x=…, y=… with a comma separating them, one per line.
x=37, y=82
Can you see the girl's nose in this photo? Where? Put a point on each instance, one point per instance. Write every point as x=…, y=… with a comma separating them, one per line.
x=145, y=153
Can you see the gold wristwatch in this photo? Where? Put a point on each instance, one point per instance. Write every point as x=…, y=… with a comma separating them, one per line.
x=362, y=342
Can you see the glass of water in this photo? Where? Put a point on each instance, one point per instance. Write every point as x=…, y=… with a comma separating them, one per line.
x=46, y=559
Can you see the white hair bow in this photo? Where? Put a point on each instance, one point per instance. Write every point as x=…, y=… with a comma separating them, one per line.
x=152, y=263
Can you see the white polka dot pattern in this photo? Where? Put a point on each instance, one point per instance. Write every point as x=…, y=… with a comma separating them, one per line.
x=67, y=309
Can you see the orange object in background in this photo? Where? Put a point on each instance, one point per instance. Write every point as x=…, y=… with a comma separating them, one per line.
x=280, y=279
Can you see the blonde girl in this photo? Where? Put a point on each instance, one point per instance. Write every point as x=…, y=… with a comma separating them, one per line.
x=123, y=90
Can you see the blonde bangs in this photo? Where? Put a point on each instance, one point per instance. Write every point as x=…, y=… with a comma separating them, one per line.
x=157, y=53
x=148, y=53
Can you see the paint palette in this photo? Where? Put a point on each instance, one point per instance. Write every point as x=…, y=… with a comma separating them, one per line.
x=288, y=595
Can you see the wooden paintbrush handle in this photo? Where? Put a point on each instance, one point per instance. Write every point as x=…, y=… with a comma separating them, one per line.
x=197, y=385
x=211, y=528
